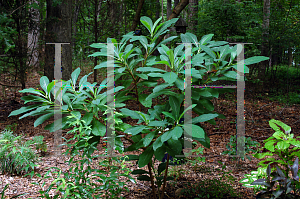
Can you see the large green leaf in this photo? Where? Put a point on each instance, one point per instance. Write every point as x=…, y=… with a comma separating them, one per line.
x=33, y=91
x=157, y=143
x=144, y=102
x=254, y=60
x=170, y=77
x=145, y=157
x=204, y=118
x=148, y=138
x=205, y=39
x=160, y=87
x=176, y=132
x=44, y=81
x=149, y=69
x=33, y=113
x=160, y=153
x=157, y=123
x=195, y=131
x=98, y=128
x=135, y=129
x=167, y=135
x=41, y=119
x=75, y=75
x=175, y=105
x=88, y=117
x=208, y=51
x=24, y=109
x=147, y=22
x=174, y=147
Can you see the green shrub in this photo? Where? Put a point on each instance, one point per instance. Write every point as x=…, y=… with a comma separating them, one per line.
x=164, y=133
x=16, y=156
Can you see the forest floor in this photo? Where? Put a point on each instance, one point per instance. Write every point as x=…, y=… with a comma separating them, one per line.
x=258, y=112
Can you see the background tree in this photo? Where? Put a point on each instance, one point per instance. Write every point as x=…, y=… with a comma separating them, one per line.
x=58, y=29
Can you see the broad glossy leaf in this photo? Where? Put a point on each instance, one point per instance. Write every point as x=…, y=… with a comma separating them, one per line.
x=149, y=69
x=98, y=128
x=175, y=105
x=174, y=147
x=148, y=138
x=160, y=153
x=144, y=102
x=145, y=157
x=231, y=74
x=88, y=117
x=196, y=131
x=161, y=87
x=208, y=51
x=254, y=60
x=157, y=143
x=161, y=167
x=176, y=132
x=43, y=118
x=204, y=118
x=166, y=136
x=33, y=113
x=44, y=81
x=206, y=38
x=75, y=75
x=24, y=109
x=147, y=22
x=135, y=129
x=157, y=123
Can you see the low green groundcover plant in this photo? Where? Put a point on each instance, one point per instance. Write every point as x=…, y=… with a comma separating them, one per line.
x=158, y=129
x=16, y=155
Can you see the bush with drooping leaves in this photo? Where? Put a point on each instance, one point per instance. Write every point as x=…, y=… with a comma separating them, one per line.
x=137, y=71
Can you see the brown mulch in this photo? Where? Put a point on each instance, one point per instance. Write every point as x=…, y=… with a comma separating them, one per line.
x=257, y=114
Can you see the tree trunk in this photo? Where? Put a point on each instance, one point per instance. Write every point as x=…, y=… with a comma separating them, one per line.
x=74, y=21
x=137, y=15
x=169, y=8
x=290, y=56
x=157, y=9
x=193, y=15
x=265, y=40
x=175, y=13
x=33, y=37
x=176, y=3
x=58, y=30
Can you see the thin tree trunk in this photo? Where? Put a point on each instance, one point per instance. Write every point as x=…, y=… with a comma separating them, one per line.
x=33, y=37
x=59, y=28
x=193, y=13
x=157, y=9
x=175, y=13
x=74, y=22
x=169, y=8
x=265, y=39
x=137, y=15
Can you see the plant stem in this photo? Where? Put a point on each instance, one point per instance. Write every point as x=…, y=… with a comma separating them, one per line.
x=152, y=182
x=165, y=177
